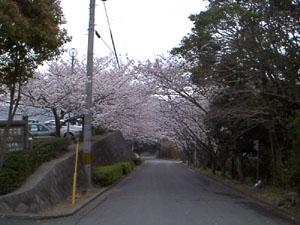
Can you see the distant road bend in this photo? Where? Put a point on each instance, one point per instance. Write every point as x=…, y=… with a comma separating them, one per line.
x=165, y=192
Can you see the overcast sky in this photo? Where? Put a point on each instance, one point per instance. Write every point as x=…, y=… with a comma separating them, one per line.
x=142, y=29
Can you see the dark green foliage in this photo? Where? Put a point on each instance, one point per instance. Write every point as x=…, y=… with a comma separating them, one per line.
x=293, y=171
x=31, y=33
x=127, y=166
x=45, y=150
x=18, y=166
x=247, y=52
x=15, y=170
x=107, y=175
x=250, y=169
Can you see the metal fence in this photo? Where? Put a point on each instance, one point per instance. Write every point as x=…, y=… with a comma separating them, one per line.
x=18, y=135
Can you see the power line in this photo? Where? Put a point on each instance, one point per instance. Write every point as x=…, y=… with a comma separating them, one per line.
x=100, y=37
x=111, y=35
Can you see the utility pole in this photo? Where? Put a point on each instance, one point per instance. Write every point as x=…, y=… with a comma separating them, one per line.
x=88, y=115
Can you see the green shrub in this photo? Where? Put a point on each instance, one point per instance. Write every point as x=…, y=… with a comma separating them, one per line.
x=127, y=167
x=47, y=149
x=19, y=165
x=106, y=175
x=138, y=161
x=9, y=181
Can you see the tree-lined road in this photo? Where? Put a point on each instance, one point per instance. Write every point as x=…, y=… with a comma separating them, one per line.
x=165, y=192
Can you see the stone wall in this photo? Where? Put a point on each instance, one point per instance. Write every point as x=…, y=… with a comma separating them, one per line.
x=50, y=184
x=110, y=149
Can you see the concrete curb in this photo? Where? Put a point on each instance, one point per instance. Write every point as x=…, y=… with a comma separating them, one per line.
x=28, y=216
x=266, y=205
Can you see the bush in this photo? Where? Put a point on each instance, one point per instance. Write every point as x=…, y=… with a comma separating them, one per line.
x=138, y=161
x=293, y=162
x=127, y=167
x=107, y=175
x=19, y=165
x=293, y=170
x=47, y=149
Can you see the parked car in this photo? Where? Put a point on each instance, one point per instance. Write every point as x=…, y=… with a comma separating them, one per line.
x=38, y=130
x=74, y=129
x=51, y=123
x=33, y=121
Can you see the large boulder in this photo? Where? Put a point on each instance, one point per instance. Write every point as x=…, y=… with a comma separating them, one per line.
x=109, y=149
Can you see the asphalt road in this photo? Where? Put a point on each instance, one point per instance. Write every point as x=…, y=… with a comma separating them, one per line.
x=166, y=193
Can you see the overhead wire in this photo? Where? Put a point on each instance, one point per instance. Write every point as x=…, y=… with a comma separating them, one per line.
x=104, y=42
x=111, y=34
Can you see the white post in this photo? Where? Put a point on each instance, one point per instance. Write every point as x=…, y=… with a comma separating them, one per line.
x=72, y=53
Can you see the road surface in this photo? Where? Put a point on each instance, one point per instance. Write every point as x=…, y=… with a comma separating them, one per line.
x=165, y=192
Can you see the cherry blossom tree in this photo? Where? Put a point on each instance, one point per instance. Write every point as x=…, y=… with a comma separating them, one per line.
x=56, y=89
x=147, y=101
x=185, y=103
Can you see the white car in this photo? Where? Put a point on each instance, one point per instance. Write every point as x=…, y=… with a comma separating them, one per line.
x=74, y=130
x=51, y=123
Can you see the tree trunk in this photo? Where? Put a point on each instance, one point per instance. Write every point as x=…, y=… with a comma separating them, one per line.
x=13, y=105
x=3, y=143
x=57, y=122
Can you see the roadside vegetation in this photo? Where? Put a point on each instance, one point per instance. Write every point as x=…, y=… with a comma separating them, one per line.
x=31, y=33
x=107, y=175
x=227, y=98
x=19, y=165
x=244, y=56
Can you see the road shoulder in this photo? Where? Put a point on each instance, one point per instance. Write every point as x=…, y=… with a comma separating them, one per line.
x=249, y=193
x=65, y=209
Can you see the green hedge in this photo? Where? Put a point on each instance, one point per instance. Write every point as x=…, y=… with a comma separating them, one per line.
x=18, y=166
x=106, y=175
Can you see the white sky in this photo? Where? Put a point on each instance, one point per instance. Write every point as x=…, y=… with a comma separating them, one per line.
x=142, y=29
